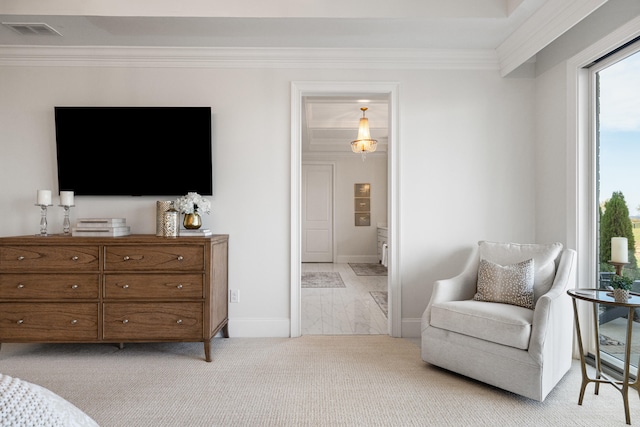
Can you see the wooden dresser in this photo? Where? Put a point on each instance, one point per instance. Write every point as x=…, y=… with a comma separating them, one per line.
x=137, y=288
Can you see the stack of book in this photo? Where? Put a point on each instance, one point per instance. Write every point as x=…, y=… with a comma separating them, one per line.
x=101, y=227
x=199, y=232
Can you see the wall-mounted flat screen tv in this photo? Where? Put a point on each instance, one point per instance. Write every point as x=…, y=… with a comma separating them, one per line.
x=134, y=151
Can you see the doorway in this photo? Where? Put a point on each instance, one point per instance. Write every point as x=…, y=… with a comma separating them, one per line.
x=299, y=91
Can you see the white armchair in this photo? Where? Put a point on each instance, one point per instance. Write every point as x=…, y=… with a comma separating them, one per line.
x=522, y=344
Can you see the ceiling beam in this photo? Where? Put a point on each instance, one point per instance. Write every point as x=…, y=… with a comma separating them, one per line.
x=548, y=23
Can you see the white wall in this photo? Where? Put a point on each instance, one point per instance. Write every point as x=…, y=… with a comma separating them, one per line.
x=466, y=166
x=360, y=244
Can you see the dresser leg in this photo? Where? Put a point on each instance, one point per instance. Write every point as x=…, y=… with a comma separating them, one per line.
x=225, y=330
x=207, y=350
x=121, y=345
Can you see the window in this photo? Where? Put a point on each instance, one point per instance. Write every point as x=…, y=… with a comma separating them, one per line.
x=616, y=84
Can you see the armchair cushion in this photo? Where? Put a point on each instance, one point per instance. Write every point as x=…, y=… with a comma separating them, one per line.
x=504, y=324
x=509, y=284
x=544, y=256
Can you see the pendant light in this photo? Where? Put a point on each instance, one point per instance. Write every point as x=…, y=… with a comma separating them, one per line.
x=364, y=144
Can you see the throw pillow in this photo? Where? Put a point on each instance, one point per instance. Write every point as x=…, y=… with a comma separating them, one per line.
x=509, y=284
x=544, y=255
x=26, y=404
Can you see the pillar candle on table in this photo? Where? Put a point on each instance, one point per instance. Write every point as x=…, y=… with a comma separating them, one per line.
x=66, y=198
x=619, y=250
x=44, y=197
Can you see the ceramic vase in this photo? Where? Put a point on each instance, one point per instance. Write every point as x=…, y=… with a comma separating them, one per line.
x=192, y=221
x=621, y=295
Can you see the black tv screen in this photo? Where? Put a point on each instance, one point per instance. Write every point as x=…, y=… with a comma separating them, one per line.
x=134, y=151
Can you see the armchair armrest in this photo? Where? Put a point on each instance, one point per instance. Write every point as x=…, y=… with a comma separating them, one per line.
x=460, y=287
x=552, y=317
x=457, y=288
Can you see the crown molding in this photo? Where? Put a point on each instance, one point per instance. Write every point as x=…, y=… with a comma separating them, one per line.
x=552, y=20
x=171, y=57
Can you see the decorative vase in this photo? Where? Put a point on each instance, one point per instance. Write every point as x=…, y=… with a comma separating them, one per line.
x=161, y=208
x=621, y=295
x=170, y=224
x=192, y=221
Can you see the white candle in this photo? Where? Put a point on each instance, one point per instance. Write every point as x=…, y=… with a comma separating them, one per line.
x=619, y=250
x=44, y=197
x=66, y=198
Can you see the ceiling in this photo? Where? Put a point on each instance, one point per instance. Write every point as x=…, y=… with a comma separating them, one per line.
x=441, y=24
x=330, y=123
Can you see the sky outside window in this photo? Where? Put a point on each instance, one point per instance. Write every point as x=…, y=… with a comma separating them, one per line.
x=620, y=131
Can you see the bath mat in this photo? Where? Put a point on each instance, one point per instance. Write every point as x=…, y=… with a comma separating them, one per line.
x=322, y=280
x=368, y=269
x=380, y=297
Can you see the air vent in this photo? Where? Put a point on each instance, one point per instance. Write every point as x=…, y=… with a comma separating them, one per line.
x=32, y=28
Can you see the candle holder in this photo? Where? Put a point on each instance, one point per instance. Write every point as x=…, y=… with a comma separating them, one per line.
x=619, y=266
x=66, y=224
x=43, y=219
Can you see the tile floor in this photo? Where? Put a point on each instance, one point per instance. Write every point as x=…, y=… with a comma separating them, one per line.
x=343, y=311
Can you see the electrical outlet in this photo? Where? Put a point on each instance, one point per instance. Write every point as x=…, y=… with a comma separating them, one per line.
x=234, y=295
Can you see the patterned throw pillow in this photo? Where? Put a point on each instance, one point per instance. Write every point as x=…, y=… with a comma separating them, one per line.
x=509, y=284
x=544, y=256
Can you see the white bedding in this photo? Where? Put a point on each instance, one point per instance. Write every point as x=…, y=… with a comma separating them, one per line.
x=26, y=404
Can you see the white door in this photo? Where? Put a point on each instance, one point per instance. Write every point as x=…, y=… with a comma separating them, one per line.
x=317, y=213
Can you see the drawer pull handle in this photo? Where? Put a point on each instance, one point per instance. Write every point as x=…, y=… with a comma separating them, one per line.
x=125, y=321
x=74, y=321
x=126, y=258
x=20, y=258
x=179, y=321
x=179, y=286
x=74, y=258
x=74, y=286
x=20, y=322
x=180, y=257
x=20, y=286
x=125, y=286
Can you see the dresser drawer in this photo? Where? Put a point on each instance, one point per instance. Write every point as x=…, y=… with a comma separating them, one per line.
x=161, y=257
x=64, y=258
x=154, y=286
x=48, y=322
x=153, y=321
x=49, y=286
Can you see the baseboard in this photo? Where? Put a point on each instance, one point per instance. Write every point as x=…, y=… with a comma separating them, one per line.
x=259, y=328
x=366, y=259
x=280, y=328
x=412, y=328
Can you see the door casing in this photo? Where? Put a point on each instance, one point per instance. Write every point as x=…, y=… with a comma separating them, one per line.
x=391, y=89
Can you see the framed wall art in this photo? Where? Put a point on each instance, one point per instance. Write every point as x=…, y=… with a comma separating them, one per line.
x=363, y=219
x=362, y=204
x=362, y=190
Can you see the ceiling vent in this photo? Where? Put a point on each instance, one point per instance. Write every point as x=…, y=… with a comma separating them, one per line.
x=32, y=28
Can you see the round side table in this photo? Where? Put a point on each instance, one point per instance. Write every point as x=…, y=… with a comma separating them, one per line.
x=604, y=296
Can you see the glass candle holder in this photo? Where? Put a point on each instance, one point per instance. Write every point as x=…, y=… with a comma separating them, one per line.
x=43, y=220
x=66, y=224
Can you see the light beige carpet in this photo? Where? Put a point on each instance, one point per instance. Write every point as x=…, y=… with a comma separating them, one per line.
x=308, y=381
